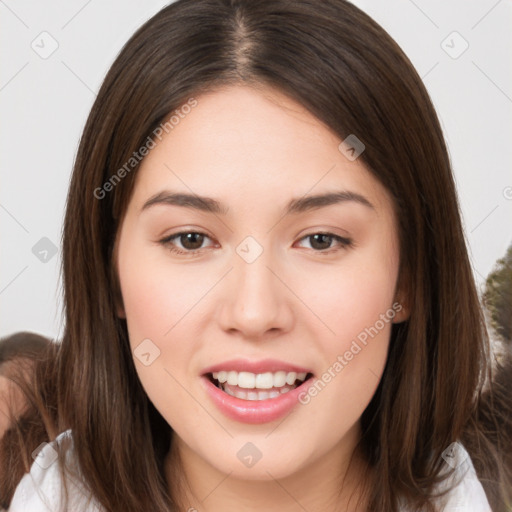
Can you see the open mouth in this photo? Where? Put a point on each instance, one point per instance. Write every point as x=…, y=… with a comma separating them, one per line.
x=260, y=386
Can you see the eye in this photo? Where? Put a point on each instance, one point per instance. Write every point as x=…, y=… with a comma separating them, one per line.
x=319, y=242
x=191, y=242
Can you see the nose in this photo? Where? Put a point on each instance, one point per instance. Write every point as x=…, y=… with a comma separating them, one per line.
x=256, y=301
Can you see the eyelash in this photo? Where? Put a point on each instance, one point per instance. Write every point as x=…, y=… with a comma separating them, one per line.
x=344, y=243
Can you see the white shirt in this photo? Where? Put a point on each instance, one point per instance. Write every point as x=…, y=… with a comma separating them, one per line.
x=41, y=489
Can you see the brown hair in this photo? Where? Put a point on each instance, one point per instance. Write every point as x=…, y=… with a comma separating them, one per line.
x=22, y=344
x=347, y=71
x=24, y=357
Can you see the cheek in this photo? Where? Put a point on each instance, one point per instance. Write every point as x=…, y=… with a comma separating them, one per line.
x=159, y=300
x=354, y=357
x=363, y=303
x=356, y=303
x=152, y=310
x=156, y=295
x=351, y=298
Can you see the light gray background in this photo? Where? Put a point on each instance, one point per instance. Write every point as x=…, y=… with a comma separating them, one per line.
x=44, y=104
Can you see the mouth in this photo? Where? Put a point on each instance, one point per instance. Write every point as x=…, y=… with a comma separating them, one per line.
x=257, y=386
x=256, y=391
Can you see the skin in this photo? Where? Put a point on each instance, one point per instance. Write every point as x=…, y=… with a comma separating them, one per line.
x=11, y=398
x=5, y=386
x=254, y=150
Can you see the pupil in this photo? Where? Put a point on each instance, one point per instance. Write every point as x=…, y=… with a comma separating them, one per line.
x=192, y=240
x=326, y=239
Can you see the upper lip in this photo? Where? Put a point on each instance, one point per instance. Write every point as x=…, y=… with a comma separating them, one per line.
x=261, y=366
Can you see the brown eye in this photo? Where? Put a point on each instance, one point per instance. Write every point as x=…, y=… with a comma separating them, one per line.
x=321, y=242
x=191, y=241
x=186, y=242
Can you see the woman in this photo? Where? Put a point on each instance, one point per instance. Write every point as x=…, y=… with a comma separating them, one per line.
x=20, y=350
x=22, y=356
x=268, y=298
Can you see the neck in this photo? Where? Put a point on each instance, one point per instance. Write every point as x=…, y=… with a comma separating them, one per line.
x=328, y=483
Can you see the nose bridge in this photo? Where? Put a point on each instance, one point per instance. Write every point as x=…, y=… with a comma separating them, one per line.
x=255, y=284
x=257, y=300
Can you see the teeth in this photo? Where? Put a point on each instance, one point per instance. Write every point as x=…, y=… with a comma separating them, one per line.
x=264, y=381
x=221, y=376
x=279, y=379
x=255, y=395
x=246, y=380
x=268, y=380
x=291, y=378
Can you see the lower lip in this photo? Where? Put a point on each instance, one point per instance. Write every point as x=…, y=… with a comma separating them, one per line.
x=255, y=411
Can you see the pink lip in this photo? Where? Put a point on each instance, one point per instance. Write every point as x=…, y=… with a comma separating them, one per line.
x=254, y=411
x=265, y=365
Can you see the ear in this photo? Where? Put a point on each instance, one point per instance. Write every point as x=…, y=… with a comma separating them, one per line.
x=402, y=311
x=120, y=309
x=401, y=303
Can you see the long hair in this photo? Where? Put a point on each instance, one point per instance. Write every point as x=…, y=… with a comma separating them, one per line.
x=347, y=71
x=26, y=358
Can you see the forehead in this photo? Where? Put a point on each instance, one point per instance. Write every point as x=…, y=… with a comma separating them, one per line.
x=258, y=141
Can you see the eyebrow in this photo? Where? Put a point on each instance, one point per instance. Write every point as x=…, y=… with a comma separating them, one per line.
x=295, y=206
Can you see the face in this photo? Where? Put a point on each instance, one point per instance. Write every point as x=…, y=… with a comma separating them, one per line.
x=11, y=398
x=4, y=405
x=281, y=284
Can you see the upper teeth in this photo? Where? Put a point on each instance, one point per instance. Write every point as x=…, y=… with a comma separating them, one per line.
x=258, y=380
